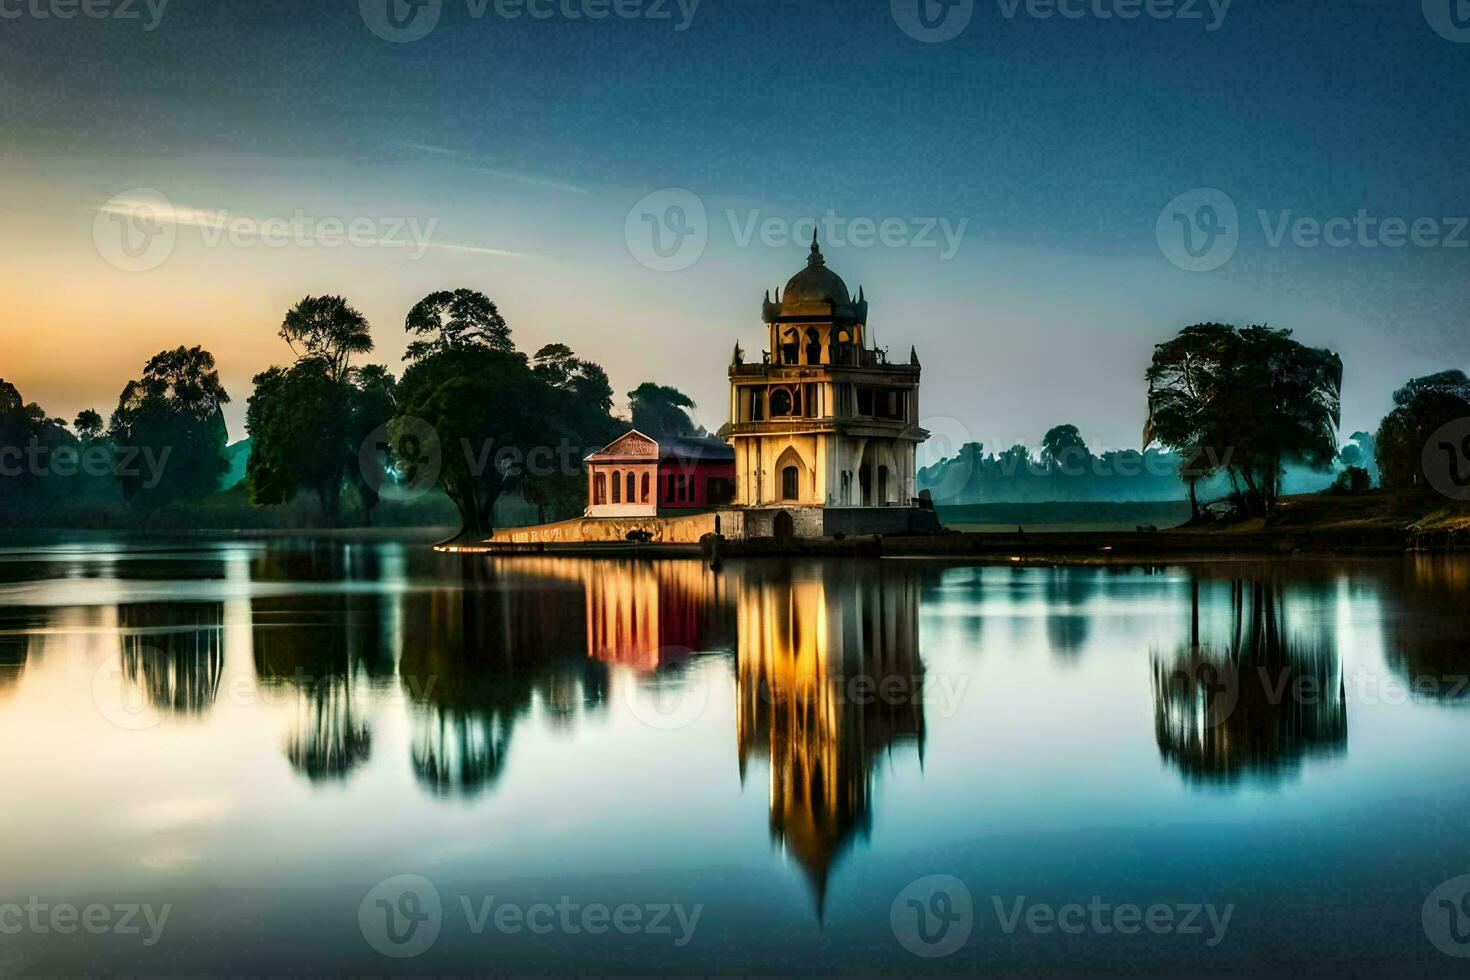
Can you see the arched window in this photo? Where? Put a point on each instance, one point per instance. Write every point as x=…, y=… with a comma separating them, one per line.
x=813, y=346
x=632, y=487
x=781, y=403
x=790, y=483
x=644, y=496
x=599, y=489
x=790, y=346
x=617, y=487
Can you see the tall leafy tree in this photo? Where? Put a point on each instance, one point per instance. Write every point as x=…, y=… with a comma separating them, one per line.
x=172, y=417
x=1250, y=400
x=660, y=411
x=1421, y=406
x=307, y=422
x=453, y=320
x=328, y=329
x=88, y=424
x=503, y=424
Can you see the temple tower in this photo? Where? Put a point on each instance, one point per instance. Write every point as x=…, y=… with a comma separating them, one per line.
x=823, y=420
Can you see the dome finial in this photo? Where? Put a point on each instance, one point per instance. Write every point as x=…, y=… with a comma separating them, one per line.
x=816, y=257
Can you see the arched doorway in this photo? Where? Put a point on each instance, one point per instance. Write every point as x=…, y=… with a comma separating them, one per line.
x=793, y=479
x=783, y=527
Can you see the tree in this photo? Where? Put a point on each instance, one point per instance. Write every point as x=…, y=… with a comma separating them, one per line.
x=480, y=402
x=171, y=419
x=455, y=320
x=326, y=328
x=661, y=412
x=1062, y=448
x=88, y=424
x=503, y=425
x=307, y=422
x=1247, y=400
x=372, y=404
x=1420, y=407
x=1183, y=382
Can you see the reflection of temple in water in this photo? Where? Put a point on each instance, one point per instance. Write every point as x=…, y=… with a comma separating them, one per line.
x=650, y=615
x=829, y=678
x=1248, y=696
x=172, y=654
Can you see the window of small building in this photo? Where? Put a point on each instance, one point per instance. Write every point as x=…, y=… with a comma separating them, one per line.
x=632, y=488
x=865, y=401
x=757, y=406
x=644, y=495
x=599, y=489
x=790, y=480
x=617, y=485
x=719, y=490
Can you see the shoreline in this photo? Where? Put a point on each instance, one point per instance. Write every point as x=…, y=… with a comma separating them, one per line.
x=1071, y=547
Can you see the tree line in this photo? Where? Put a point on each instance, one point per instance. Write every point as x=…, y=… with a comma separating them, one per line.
x=1242, y=414
x=312, y=420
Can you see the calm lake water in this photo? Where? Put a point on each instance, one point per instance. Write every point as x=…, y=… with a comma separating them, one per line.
x=310, y=757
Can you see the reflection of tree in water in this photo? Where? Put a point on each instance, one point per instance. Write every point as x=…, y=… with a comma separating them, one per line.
x=479, y=656
x=172, y=653
x=1067, y=590
x=327, y=740
x=324, y=647
x=815, y=645
x=1426, y=627
x=14, y=650
x=1245, y=697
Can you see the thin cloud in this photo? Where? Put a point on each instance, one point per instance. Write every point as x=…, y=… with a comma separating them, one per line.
x=220, y=221
x=535, y=180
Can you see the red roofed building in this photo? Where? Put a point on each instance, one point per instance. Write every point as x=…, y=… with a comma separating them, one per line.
x=637, y=476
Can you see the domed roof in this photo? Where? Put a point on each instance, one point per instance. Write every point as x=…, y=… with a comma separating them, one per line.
x=815, y=291
x=816, y=283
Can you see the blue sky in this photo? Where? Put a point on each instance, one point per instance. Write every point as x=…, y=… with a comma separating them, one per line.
x=1050, y=146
